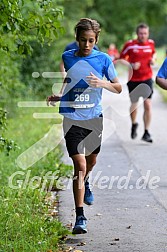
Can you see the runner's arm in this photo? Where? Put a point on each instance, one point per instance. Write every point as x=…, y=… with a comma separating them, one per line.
x=153, y=60
x=113, y=86
x=55, y=98
x=161, y=82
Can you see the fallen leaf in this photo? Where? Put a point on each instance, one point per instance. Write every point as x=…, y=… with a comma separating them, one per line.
x=63, y=238
x=81, y=244
x=98, y=214
x=69, y=225
x=66, y=249
x=70, y=249
x=129, y=227
x=116, y=239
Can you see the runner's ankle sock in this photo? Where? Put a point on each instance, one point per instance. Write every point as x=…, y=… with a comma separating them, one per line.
x=79, y=211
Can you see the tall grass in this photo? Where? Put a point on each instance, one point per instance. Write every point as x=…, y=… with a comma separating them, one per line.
x=25, y=224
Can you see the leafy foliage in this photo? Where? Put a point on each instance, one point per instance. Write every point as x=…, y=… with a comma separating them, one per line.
x=5, y=144
x=121, y=17
x=20, y=23
x=38, y=88
x=22, y=20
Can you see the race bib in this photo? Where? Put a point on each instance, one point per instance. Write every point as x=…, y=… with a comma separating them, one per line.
x=81, y=97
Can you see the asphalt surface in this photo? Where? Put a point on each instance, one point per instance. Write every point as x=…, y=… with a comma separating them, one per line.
x=129, y=183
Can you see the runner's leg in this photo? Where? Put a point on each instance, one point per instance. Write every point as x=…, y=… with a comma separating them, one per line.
x=79, y=162
x=133, y=112
x=147, y=113
x=90, y=163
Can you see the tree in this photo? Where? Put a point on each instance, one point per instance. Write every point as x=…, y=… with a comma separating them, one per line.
x=119, y=18
x=20, y=23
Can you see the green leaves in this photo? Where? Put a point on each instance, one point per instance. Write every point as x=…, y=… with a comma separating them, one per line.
x=22, y=22
x=26, y=20
x=5, y=144
x=3, y=118
x=120, y=18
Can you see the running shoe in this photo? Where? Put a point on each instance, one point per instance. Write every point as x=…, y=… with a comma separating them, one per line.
x=88, y=197
x=80, y=225
x=147, y=137
x=134, y=130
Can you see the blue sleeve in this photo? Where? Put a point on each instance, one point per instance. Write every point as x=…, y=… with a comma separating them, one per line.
x=162, y=73
x=64, y=61
x=110, y=72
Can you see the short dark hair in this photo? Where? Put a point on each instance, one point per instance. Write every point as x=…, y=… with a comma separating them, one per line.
x=141, y=25
x=86, y=24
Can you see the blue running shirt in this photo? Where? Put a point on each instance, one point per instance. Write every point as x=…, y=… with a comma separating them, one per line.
x=81, y=101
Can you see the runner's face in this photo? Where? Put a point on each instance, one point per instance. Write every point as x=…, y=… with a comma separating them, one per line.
x=87, y=40
x=143, y=34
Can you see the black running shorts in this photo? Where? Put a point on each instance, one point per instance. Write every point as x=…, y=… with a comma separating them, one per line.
x=83, y=137
x=139, y=89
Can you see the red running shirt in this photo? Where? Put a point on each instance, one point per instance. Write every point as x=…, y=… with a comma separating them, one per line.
x=135, y=51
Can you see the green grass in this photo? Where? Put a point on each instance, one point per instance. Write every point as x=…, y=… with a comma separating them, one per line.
x=25, y=225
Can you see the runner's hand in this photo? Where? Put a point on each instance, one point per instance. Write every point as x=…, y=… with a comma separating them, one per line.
x=136, y=65
x=152, y=61
x=51, y=100
x=94, y=81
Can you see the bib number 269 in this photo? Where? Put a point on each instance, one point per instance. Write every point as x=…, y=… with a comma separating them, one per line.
x=82, y=97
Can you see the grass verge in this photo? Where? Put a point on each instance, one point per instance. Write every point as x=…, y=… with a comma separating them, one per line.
x=25, y=223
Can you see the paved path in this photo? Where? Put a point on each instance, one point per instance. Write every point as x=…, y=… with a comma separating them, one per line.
x=129, y=213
